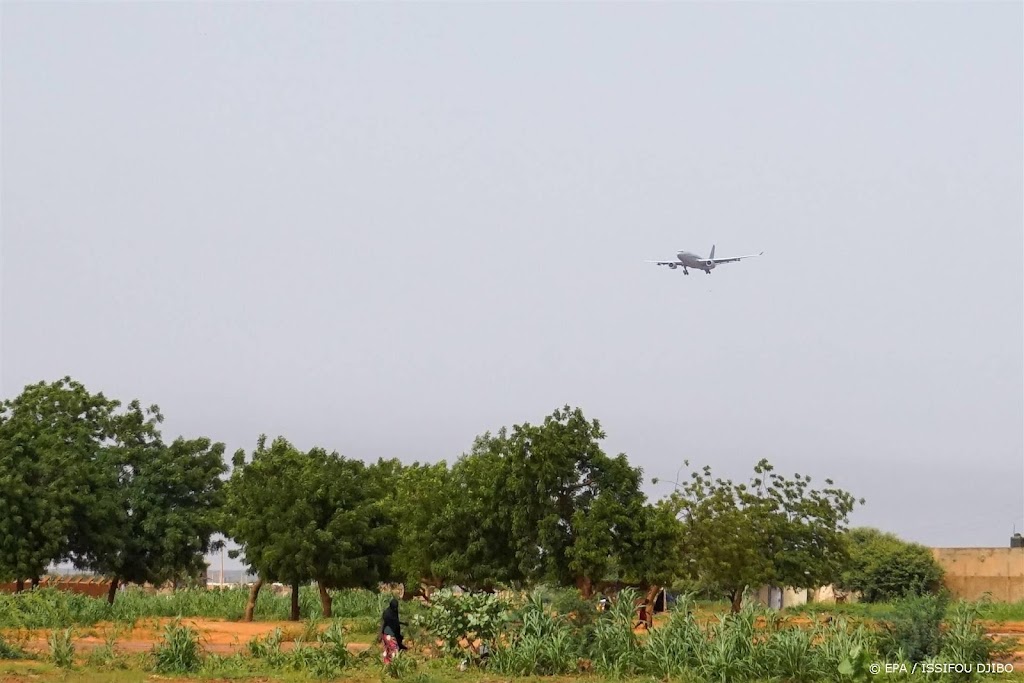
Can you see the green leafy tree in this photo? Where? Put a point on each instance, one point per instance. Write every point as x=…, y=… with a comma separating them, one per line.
x=473, y=545
x=882, y=567
x=307, y=516
x=168, y=499
x=571, y=506
x=51, y=475
x=416, y=505
x=773, y=531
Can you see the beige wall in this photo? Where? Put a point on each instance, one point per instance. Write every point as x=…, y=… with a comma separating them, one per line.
x=972, y=572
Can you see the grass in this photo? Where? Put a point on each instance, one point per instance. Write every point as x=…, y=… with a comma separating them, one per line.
x=987, y=610
x=545, y=641
x=51, y=608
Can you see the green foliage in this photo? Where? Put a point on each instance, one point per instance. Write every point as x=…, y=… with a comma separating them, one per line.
x=882, y=567
x=86, y=481
x=304, y=516
x=10, y=651
x=544, y=645
x=417, y=502
x=52, y=475
x=855, y=665
x=472, y=546
x=773, y=531
x=62, y=648
x=178, y=652
x=964, y=639
x=51, y=608
x=916, y=628
x=573, y=509
x=452, y=617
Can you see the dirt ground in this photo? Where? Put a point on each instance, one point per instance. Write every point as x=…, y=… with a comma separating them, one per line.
x=215, y=635
x=227, y=637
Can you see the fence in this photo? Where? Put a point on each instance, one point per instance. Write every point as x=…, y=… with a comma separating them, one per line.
x=95, y=586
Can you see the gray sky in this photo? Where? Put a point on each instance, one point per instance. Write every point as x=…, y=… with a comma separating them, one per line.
x=387, y=228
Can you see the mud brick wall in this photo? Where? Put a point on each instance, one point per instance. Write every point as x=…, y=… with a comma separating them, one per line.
x=92, y=586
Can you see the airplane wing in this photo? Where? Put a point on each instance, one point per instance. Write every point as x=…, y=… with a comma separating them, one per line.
x=665, y=263
x=734, y=258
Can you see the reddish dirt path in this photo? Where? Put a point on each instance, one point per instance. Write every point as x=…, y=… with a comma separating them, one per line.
x=215, y=636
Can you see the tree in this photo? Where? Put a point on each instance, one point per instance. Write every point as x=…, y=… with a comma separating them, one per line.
x=774, y=531
x=51, y=475
x=473, y=544
x=571, y=506
x=167, y=499
x=416, y=504
x=307, y=516
x=883, y=567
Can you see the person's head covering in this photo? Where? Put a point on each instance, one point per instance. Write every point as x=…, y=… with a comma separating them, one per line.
x=393, y=604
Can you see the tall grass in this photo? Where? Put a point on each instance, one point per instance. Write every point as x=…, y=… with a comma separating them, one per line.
x=62, y=648
x=50, y=608
x=752, y=645
x=179, y=651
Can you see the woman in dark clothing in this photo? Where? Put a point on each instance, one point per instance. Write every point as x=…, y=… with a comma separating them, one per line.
x=390, y=624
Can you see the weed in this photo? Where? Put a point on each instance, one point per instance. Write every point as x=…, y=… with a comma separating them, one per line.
x=62, y=648
x=178, y=652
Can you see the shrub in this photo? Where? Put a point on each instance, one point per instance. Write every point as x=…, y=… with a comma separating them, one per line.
x=178, y=652
x=916, y=627
x=454, y=617
x=883, y=567
x=62, y=649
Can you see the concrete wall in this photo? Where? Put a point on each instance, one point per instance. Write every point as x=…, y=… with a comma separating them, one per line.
x=973, y=572
x=790, y=597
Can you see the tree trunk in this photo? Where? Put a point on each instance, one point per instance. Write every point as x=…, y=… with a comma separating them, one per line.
x=585, y=586
x=113, y=591
x=737, y=600
x=35, y=582
x=19, y=585
x=250, y=606
x=649, y=599
x=294, y=616
x=325, y=600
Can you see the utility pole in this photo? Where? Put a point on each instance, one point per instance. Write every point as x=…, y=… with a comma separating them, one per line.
x=222, y=568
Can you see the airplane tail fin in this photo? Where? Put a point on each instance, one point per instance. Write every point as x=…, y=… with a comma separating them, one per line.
x=712, y=251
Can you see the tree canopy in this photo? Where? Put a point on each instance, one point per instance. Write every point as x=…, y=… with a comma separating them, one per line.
x=883, y=567
x=309, y=516
x=87, y=479
x=775, y=530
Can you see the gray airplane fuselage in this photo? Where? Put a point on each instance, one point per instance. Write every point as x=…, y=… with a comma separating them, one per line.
x=690, y=260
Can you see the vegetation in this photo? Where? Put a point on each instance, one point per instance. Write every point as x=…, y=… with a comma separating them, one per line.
x=882, y=567
x=532, y=635
x=538, y=512
x=88, y=482
x=774, y=531
x=307, y=516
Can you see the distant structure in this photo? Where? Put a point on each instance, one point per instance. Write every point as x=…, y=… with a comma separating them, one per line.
x=976, y=573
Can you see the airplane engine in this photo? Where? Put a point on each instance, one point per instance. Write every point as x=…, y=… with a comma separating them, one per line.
x=672, y=266
x=709, y=264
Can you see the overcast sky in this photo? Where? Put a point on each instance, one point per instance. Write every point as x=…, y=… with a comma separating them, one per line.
x=387, y=228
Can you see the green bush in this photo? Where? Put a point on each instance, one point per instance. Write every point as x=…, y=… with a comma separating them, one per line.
x=178, y=652
x=452, y=617
x=62, y=648
x=883, y=567
x=915, y=630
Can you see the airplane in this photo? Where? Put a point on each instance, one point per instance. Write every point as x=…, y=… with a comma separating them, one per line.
x=686, y=260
